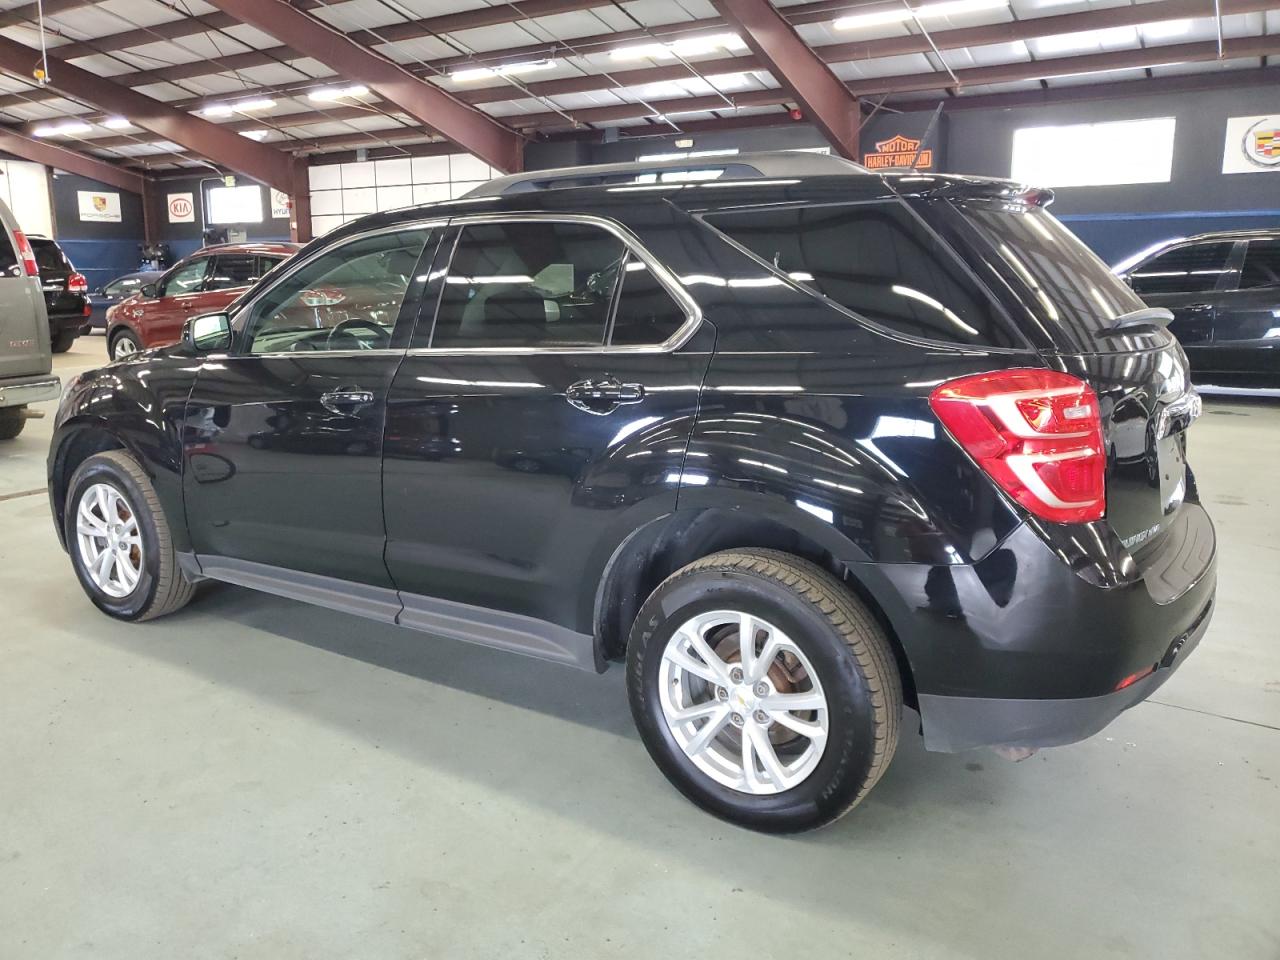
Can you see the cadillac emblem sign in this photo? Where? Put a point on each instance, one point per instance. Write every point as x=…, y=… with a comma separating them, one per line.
x=1262, y=142
x=898, y=151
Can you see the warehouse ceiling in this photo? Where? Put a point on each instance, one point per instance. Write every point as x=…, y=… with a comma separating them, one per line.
x=555, y=68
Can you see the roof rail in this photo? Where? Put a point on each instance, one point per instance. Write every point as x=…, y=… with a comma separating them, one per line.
x=774, y=164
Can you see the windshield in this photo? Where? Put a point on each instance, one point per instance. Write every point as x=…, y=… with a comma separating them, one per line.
x=1070, y=288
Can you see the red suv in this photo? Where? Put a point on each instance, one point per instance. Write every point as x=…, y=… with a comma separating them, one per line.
x=205, y=282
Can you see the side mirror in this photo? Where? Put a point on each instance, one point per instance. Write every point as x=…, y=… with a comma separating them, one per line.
x=208, y=333
x=149, y=291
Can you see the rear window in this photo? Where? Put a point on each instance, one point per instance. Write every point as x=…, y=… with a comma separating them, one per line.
x=876, y=260
x=1070, y=287
x=49, y=256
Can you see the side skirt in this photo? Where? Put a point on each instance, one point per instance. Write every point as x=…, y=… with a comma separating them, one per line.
x=443, y=618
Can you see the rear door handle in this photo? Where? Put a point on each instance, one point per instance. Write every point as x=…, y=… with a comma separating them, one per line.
x=346, y=399
x=603, y=396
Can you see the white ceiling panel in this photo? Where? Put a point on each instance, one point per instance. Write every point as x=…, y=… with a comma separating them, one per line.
x=438, y=8
x=251, y=36
x=163, y=91
x=883, y=67
x=101, y=65
x=422, y=49
x=1211, y=66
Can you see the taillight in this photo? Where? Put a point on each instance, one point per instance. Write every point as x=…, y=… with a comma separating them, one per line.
x=26, y=253
x=1037, y=433
x=77, y=283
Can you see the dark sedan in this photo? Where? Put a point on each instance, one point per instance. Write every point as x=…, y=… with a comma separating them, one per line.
x=1224, y=292
x=121, y=288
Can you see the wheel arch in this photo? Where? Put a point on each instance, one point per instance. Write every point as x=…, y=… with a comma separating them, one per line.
x=660, y=548
x=74, y=443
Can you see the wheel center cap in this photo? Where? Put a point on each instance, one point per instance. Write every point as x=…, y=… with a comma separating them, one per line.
x=742, y=698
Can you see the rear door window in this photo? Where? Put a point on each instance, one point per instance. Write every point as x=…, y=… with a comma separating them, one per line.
x=1189, y=268
x=877, y=261
x=1261, y=264
x=529, y=283
x=49, y=257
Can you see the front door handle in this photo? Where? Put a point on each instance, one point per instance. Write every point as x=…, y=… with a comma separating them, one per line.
x=346, y=399
x=603, y=396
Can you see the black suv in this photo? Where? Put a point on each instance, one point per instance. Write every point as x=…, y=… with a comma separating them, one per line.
x=799, y=447
x=66, y=294
x=1224, y=292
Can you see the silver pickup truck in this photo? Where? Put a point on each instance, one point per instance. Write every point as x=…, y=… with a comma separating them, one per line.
x=25, y=359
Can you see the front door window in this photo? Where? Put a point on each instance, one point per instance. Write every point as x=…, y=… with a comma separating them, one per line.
x=346, y=299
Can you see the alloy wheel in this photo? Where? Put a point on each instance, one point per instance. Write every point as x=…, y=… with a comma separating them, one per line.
x=123, y=347
x=743, y=702
x=109, y=540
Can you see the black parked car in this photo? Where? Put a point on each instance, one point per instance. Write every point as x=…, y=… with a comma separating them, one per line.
x=66, y=294
x=1224, y=292
x=809, y=446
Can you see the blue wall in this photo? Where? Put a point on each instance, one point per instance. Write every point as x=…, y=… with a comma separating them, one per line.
x=101, y=251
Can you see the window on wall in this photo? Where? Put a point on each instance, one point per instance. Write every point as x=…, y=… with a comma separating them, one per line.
x=1095, y=154
x=235, y=204
x=342, y=192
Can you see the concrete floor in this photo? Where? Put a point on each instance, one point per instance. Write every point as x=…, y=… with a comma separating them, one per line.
x=256, y=778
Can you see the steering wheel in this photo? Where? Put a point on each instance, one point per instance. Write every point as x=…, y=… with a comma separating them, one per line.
x=381, y=335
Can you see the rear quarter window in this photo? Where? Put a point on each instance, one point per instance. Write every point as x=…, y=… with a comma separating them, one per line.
x=877, y=261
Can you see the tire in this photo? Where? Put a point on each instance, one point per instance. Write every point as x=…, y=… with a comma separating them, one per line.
x=12, y=420
x=123, y=344
x=850, y=666
x=62, y=341
x=161, y=588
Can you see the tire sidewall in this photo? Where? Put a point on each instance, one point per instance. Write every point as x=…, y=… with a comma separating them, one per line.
x=99, y=469
x=850, y=750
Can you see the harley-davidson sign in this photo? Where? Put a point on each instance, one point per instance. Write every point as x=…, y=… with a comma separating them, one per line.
x=898, y=151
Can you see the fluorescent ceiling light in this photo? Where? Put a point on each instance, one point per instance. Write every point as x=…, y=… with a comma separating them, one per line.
x=330, y=94
x=243, y=106
x=689, y=47
x=66, y=128
x=502, y=70
x=1086, y=40
x=116, y=123
x=1166, y=28
x=947, y=8
x=255, y=134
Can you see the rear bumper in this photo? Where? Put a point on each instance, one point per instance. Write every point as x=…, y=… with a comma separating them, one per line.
x=23, y=390
x=1030, y=647
x=962, y=723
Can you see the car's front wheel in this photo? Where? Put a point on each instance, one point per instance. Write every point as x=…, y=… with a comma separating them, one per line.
x=123, y=344
x=120, y=542
x=764, y=690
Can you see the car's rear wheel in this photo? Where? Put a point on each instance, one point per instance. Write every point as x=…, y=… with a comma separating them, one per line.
x=764, y=690
x=61, y=342
x=120, y=542
x=12, y=420
x=123, y=344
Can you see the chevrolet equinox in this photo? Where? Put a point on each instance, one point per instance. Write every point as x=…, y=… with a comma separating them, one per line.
x=798, y=443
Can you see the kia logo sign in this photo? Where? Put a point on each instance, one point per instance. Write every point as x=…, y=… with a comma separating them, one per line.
x=180, y=207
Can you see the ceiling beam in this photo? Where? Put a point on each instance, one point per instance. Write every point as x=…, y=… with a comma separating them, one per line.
x=798, y=69
x=216, y=143
x=50, y=154
x=471, y=129
x=814, y=12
